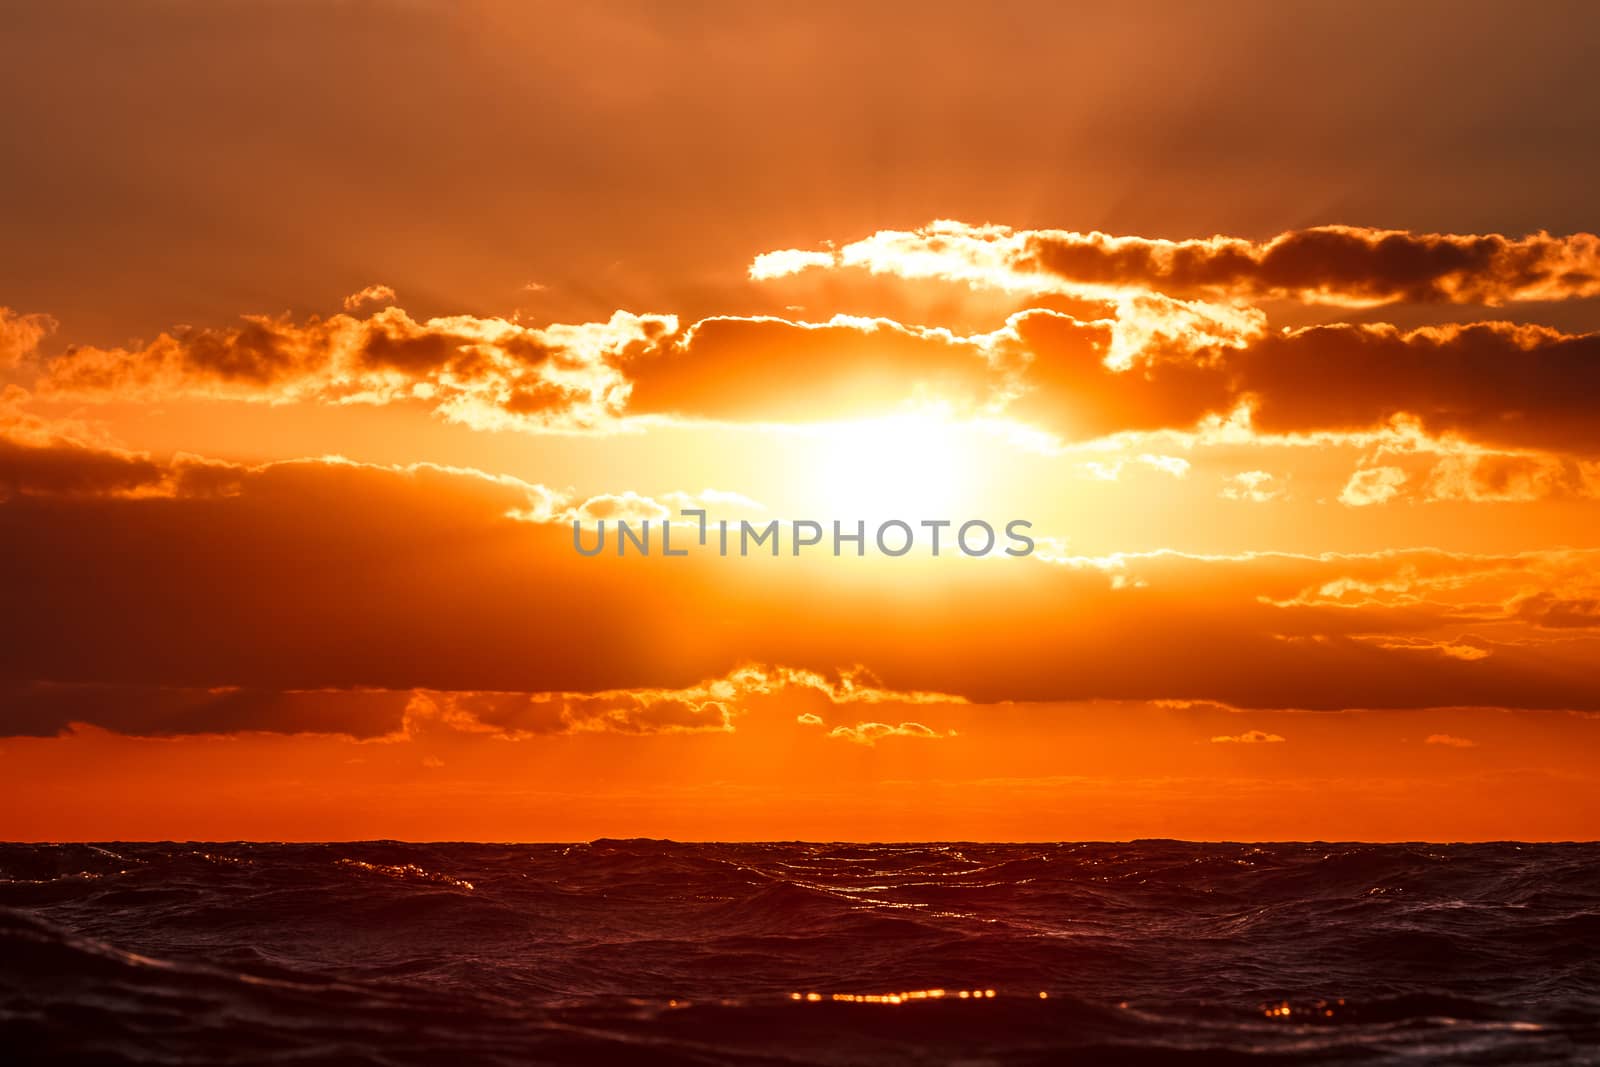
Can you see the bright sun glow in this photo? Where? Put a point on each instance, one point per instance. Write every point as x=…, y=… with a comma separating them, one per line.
x=907, y=467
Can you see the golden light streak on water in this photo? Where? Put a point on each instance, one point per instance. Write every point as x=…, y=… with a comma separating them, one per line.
x=900, y=998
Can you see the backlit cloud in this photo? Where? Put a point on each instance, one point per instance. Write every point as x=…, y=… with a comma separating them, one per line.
x=870, y=733
x=439, y=579
x=1523, y=390
x=487, y=373
x=372, y=294
x=1372, y=485
x=1257, y=487
x=1340, y=265
x=39, y=708
x=1249, y=737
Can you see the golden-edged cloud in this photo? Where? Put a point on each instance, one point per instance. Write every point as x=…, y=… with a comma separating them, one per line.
x=320, y=575
x=776, y=370
x=318, y=593
x=1524, y=391
x=45, y=708
x=1249, y=737
x=1340, y=265
x=870, y=733
x=380, y=295
x=1161, y=336
x=490, y=373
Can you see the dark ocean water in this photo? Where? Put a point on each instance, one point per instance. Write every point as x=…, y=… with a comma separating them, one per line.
x=659, y=953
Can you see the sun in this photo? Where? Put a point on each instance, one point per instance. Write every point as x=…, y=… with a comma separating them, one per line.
x=909, y=467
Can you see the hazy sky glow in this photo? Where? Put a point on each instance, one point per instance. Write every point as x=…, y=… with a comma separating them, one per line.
x=320, y=326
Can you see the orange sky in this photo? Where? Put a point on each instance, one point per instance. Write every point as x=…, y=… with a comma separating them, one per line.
x=315, y=339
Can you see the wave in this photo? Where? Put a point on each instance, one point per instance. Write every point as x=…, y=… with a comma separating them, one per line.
x=661, y=952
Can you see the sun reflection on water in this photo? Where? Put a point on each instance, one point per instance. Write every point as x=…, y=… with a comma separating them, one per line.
x=900, y=998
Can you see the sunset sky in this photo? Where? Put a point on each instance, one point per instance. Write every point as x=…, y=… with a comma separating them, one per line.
x=319, y=326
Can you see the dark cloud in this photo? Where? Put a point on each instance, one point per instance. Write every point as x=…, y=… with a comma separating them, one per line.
x=45, y=709
x=766, y=369
x=1341, y=265
x=484, y=372
x=645, y=711
x=1332, y=264
x=314, y=576
x=1560, y=612
x=1065, y=386
x=1152, y=365
x=66, y=469
x=1494, y=383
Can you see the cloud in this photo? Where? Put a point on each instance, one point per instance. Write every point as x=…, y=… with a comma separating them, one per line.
x=45, y=709
x=1523, y=390
x=1464, y=650
x=1173, y=465
x=486, y=373
x=20, y=335
x=493, y=374
x=52, y=457
x=1491, y=382
x=1502, y=478
x=1134, y=369
x=1112, y=471
x=1249, y=737
x=1148, y=363
x=1340, y=265
x=768, y=369
x=1443, y=469
x=844, y=686
x=40, y=708
x=711, y=706
x=788, y=261
x=372, y=294
x=321, y=575
x=67, y=470
x=1256, y=487
x=944, y=249
x=1450, y=741
x=1064, y=383
x=1474, y=588
x=524, y=715
x=1372, y=485
x=635, y=508
x=1559, y=611
x=870, y=733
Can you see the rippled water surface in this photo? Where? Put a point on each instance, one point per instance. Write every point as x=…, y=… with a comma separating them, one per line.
x=660, y=953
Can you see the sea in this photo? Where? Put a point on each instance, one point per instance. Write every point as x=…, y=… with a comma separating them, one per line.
x=663, y=953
